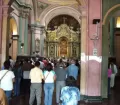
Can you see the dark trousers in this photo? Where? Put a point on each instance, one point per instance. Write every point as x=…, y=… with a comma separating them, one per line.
x=108, y=87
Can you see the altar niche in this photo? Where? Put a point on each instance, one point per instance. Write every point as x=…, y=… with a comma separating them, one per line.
x=63, y=42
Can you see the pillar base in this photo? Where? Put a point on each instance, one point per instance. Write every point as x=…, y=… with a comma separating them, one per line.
x=91, y=99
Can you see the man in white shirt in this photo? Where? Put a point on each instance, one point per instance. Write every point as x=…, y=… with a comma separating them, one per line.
x=7, y=79
x=36, y=77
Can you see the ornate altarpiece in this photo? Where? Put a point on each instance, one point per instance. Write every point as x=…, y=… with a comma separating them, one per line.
x=63, y=42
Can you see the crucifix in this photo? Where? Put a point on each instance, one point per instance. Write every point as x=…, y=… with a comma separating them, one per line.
x=64, y=20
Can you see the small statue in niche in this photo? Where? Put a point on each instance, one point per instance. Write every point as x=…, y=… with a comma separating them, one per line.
x=37, y=44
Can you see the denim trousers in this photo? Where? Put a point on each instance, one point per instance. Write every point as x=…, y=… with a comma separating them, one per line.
x=17, y=86
x=48, y=90
x=8, y=95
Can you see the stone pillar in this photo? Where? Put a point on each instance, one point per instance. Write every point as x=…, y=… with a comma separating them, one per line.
x=83, y=53
x=20, y=34
x=42, y=38
x=26, y=35
x=92, y=67
x=15, y=46
x=0, y=29
x=33, y=42
x=4, y=34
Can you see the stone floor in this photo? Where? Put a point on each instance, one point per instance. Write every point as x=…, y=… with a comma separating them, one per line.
x=114, y=99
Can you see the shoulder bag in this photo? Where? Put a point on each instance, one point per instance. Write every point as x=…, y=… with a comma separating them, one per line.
x=43, y=81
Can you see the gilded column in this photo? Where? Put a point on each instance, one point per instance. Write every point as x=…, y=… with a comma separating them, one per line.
x=4, y=34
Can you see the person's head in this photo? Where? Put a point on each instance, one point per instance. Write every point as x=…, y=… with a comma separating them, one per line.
x=61, y=64
x=73, y=61
x=17, y=64
x=70, y=81
x=49, y=67
x=37, y=64
x=26, y=60
x=7, y=64
x=10, y=57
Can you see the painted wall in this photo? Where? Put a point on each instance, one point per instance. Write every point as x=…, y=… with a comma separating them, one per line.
x=106, y=5
x=94, y=62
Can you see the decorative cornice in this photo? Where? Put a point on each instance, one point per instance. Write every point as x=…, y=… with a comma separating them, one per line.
x=23, y=4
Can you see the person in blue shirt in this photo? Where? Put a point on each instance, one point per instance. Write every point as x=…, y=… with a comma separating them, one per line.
x=72, y=69
x=70, y=94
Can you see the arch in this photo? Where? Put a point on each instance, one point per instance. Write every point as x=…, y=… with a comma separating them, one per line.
x=52, y=11
x=13, y=26
x=109, y=13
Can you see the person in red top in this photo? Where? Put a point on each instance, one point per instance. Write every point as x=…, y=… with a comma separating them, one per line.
x=45, y=62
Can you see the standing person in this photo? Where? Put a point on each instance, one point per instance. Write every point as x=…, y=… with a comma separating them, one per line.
x=36, y=77
x=18, y=76
x=114, y=72
x=3, y=98
x=7, y=78
x=72, y=69
x=49, y=78
x=70, y=94
x=109, y=76
x=60, y=81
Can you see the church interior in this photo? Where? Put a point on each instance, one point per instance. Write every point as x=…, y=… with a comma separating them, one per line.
x=87, y=30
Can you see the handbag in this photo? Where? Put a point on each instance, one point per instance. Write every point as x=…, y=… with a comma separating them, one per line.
x=3, y=77
x=43, y=81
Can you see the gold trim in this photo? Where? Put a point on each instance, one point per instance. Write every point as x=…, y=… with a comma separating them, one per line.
x=108, y=12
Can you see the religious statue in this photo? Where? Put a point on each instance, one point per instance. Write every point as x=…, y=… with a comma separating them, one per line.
x=63, y=47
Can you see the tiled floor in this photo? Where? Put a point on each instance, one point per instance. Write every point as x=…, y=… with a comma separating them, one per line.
x=114, y=100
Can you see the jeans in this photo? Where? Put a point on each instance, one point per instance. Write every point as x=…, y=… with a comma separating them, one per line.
x=59, y=86
x=35, y=90
x=17, y=86
x=48, y=90
x=8, y=95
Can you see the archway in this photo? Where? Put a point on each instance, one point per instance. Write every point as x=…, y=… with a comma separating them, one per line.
x=13, y=36
x=52, y=11
x=67, y=28
x=105, y=46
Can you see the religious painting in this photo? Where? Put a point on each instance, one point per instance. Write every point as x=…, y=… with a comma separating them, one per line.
x=63, y=47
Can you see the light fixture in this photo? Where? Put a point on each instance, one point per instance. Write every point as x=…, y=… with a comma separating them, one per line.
x=22, y=44
x=118, y=22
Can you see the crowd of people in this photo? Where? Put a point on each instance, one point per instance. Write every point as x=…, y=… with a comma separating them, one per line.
x=49, y=75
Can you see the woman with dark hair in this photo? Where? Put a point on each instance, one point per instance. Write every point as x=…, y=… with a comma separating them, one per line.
x=70, y=94
x=49, y=78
